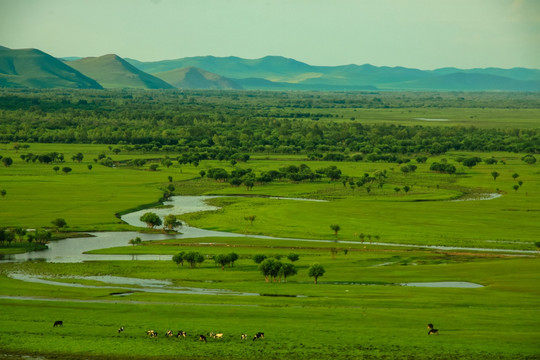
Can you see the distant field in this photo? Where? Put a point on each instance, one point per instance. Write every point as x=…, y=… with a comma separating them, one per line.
x=89, y=199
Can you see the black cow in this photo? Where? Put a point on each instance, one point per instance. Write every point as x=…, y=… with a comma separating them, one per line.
x=432, y=331
x=58, y=323
x=181, y=333
x=202, y=338
x=259, y=335
x=120, y=329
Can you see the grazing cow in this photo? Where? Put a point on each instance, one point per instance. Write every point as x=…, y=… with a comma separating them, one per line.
x=259, y=335
x=181, y=333
x=243, y=336
x=202, y=338
x=218, y=336
x=152, y=333
x=58, y=323
x=432, y=331
x=169, y=333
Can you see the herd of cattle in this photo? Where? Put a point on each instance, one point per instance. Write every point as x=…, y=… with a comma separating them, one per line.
x=181, y=333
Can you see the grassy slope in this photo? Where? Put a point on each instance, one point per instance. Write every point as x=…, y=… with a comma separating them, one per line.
x=112, y=71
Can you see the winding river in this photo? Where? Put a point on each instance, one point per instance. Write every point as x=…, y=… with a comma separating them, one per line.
x=74, y=249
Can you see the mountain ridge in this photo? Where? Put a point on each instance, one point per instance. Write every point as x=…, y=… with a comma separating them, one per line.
x=34, y=68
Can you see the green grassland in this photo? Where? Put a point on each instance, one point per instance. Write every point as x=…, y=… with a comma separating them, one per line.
x=355, y=311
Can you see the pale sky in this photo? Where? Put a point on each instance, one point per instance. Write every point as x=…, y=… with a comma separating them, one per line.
x=424, y=34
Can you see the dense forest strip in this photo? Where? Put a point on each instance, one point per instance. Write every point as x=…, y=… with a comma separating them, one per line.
x=271, y=122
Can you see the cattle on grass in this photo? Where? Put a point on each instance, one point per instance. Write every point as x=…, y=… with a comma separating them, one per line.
x=181, y=333
x=120, y=329
x=259, y=335
x=243, y=336
x=432, y=331
x=58, y=323
x=202, y=338
x=169, y=333
x=152, y=333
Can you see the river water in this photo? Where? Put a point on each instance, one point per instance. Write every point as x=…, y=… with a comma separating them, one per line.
x=73, y=249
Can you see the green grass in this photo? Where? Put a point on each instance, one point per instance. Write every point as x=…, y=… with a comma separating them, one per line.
x=335, y=319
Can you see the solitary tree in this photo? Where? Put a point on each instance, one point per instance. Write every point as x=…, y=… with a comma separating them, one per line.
x=135, y=241
x=335, y=228
x=56, y=168
x=59, y=224
x=515, y=176
x=66, y=170
x=293, y=257
x=3, y=193
x=406, y=188
x=89, y=166
x=315, y=271
x=495, y=175
x=171, y=222
x=529, y=159
x=7, y=161
x=515, y=187
x=250, y=218
x=537, y=244
x=151, y=219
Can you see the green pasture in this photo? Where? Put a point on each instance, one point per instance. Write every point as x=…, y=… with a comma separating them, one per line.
x=356, y=311
x=89, y=199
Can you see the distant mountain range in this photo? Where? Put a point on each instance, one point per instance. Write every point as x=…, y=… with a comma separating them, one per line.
x=31, y=68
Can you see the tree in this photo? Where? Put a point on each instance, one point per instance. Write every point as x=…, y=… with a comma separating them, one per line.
x=56, y=168
x=222, y=260
x=59, y=224
x=202, y=173
x=335, y=228
x=472, y=161
x=259, y=258
x=154, y=167
x=179, y=258
x=7, y=161
x=515, y=187
x=170, y=178
x=194, y=258
x=135, y=241
x=529, y=159
x=77, y=157
x=495, y=175
x=19, y=232
x=537, y=244
x=270, y=269
x=315, y=271
x=406, y=188
x=151, y=219
x=287, y=269
x=233, y=257
x=3, y=193
x=293, y=257
x=66, y=169
x=42, y=236
x=250, y=218
x=515, y=176
x=89, y=166
x=171, y=222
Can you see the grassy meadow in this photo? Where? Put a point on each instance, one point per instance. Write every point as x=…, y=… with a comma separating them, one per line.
x=359, y=308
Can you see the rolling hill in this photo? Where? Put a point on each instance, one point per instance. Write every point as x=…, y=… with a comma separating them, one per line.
x=195, y=78
x=111, y=71
x=35, y=69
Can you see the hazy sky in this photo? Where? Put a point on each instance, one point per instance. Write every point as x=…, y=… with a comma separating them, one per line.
x=423, y=34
